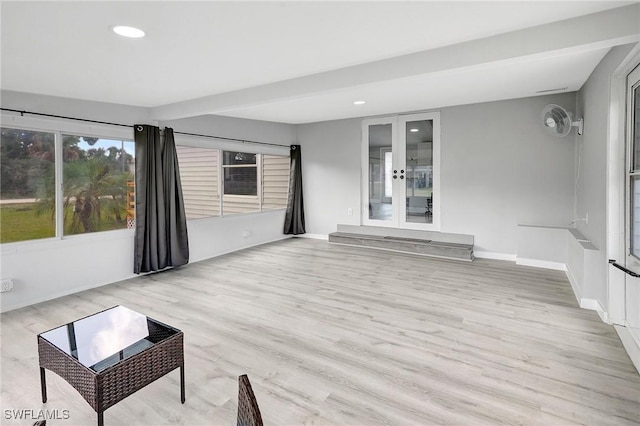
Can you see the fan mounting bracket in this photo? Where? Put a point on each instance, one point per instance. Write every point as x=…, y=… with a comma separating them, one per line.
x=579, y=124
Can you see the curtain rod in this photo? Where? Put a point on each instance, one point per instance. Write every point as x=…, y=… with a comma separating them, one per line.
x=22, y=113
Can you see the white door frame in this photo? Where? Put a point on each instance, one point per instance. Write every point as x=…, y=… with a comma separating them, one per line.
x=616, y=186
x=398, y=139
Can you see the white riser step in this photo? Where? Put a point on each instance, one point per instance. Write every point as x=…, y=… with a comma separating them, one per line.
x=448, y=250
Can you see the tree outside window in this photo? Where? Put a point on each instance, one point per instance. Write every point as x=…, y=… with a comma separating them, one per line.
x=27, y=167
x=96, y=172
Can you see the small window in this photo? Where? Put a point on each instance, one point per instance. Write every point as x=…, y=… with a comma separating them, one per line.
x=27, y=185
x=240, y=173
x=226, y=183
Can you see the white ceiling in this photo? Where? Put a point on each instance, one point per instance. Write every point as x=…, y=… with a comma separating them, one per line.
x=299, y=62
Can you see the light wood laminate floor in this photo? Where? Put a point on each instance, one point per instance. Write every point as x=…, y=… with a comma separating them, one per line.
x=334, y=335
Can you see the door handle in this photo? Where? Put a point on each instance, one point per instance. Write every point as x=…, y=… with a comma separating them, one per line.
x=623, y=269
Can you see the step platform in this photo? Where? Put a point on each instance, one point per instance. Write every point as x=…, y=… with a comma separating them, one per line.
x=426, y=243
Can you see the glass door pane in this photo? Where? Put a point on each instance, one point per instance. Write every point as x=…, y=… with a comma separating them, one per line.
x=419, y=171
x=380, y=172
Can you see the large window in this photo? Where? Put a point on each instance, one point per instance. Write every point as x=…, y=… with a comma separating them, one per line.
x=96, y=177
x=27, y=182
x=223, y=183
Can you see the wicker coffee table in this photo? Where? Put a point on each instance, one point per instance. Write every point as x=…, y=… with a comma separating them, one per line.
x=109, y=355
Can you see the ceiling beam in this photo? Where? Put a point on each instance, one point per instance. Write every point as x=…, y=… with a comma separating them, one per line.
x=589, y=32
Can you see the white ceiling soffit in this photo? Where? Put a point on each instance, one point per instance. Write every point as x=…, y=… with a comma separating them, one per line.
x=511, y=65
x=305, y=61
x=491, y=82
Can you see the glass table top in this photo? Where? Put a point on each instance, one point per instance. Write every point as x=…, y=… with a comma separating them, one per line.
x=106, y=338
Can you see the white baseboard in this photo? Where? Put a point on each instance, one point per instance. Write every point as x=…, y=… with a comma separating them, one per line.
x=577, y=292
x=314, y=236
x=496, y=256
x=594, y=305
x=546, y=264
x=631, y=345
x=585, y=303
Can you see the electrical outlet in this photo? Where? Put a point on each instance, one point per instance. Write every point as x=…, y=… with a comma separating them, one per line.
x=349, y=211
x=6, y=285
x=246, y=233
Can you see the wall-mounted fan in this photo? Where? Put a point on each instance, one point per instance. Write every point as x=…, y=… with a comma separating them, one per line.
x=557, y=121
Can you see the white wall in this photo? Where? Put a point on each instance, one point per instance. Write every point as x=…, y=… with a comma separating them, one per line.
x=45, y=269
x=230, y=127
x=499, y=169
x=100, y=111
x=593, y=104
x=214, y=236
x=330, y=174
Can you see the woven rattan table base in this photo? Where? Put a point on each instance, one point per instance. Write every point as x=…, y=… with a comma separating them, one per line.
x=105, y=388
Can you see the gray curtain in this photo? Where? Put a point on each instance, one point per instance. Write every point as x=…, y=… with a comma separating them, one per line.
x=161, y=225
x=294, y=216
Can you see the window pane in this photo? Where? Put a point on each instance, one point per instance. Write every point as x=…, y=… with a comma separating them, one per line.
x=241, y=180
x=380, y=172
x=419, y=173
x=27, y=185
x=238, y=158
x=388, y=167
x=199, y=178
x=98, y=184
x=240, y=184
x=275, y=182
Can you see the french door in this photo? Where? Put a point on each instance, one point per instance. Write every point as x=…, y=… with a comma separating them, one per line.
x=401, y=171
x=632, y=285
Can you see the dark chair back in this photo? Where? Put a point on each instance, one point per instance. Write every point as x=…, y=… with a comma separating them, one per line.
x=248, y=411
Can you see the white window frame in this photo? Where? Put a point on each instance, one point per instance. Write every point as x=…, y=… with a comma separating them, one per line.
x=225, y=145
x=59, y=127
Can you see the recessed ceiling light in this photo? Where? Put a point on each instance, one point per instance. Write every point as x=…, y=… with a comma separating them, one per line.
x=130, y=32
x=359, y=102
x=413, y=130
